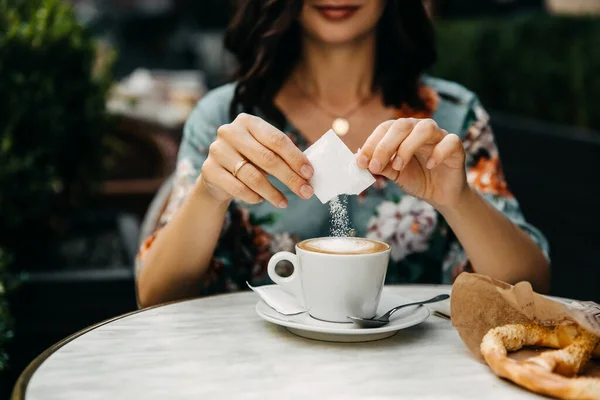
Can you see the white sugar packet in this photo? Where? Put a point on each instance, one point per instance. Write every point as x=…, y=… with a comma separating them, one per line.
x=336, y=171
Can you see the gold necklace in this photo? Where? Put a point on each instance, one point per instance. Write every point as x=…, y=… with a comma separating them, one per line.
x=340, y=124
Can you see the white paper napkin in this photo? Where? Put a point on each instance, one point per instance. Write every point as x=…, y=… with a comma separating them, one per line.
x=335, y=169
x=443, y=307
x=278, y=299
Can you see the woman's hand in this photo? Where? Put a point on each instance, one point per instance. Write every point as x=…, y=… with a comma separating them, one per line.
x=420, y=157
x=268, y=152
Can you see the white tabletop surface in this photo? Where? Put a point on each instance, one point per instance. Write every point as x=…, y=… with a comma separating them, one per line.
x=218, y=348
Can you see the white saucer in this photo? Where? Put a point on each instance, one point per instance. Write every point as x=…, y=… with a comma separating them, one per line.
x=306, y=326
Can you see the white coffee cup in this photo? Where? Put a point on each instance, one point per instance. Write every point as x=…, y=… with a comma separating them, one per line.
x=333, y=285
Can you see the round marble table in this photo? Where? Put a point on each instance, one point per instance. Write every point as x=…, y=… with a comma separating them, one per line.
x=218, y=348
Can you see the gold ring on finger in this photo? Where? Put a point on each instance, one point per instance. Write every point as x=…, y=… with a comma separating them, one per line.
x=239, y=166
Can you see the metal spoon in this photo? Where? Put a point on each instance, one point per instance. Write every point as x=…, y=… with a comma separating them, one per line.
x=385, y=318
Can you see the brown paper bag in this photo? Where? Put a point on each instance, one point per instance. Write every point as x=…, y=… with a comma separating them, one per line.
x=480, y=303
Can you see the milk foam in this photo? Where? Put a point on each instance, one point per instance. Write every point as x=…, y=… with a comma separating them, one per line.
x=343, y=245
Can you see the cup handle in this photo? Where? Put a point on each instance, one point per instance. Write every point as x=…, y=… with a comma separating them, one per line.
x=292, y=283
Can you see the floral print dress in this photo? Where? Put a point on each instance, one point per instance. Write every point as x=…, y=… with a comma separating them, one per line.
x=423, y=247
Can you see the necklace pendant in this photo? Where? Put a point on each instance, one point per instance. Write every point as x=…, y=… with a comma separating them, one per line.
x=340, y=126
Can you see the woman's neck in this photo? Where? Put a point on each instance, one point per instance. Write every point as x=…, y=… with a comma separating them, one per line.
x=337, y=75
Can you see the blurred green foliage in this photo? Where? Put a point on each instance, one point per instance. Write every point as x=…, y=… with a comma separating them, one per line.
x=53, y=120
x=541, y=66
x=5, y=318
x=53, y=126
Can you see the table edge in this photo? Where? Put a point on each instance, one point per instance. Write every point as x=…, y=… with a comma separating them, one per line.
x=20, y=387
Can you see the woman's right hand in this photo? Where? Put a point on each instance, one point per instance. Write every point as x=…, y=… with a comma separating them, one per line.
x=269, y=152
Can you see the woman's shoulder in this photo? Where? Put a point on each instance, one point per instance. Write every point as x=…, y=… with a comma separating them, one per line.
x=210, y=112
x=456, y=105
x=215, y=104
x=450, y=91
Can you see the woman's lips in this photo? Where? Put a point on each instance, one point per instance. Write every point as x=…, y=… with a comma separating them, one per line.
x=337, y=13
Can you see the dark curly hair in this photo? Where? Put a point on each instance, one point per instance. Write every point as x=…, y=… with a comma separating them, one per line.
x=264, y=36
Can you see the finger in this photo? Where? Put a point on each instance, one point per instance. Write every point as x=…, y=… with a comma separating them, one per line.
x=266, y=159
x=449, y=151
x=426, y=132
x=258, y=182
x=278, y=142
x=391, y=174
x=224, y=155
x=229, y=158
x=215, y=175
x=367, y=150
x=389, y=144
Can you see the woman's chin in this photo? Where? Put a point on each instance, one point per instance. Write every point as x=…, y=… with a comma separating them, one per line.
x=337, y=36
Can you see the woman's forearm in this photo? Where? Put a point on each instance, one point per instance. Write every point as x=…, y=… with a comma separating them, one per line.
x=181, y=253
x=495, y=246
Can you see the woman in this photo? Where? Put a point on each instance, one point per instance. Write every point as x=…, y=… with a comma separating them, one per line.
x=242, y=188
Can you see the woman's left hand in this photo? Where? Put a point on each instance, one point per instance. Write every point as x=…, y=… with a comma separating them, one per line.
x=424, y=160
